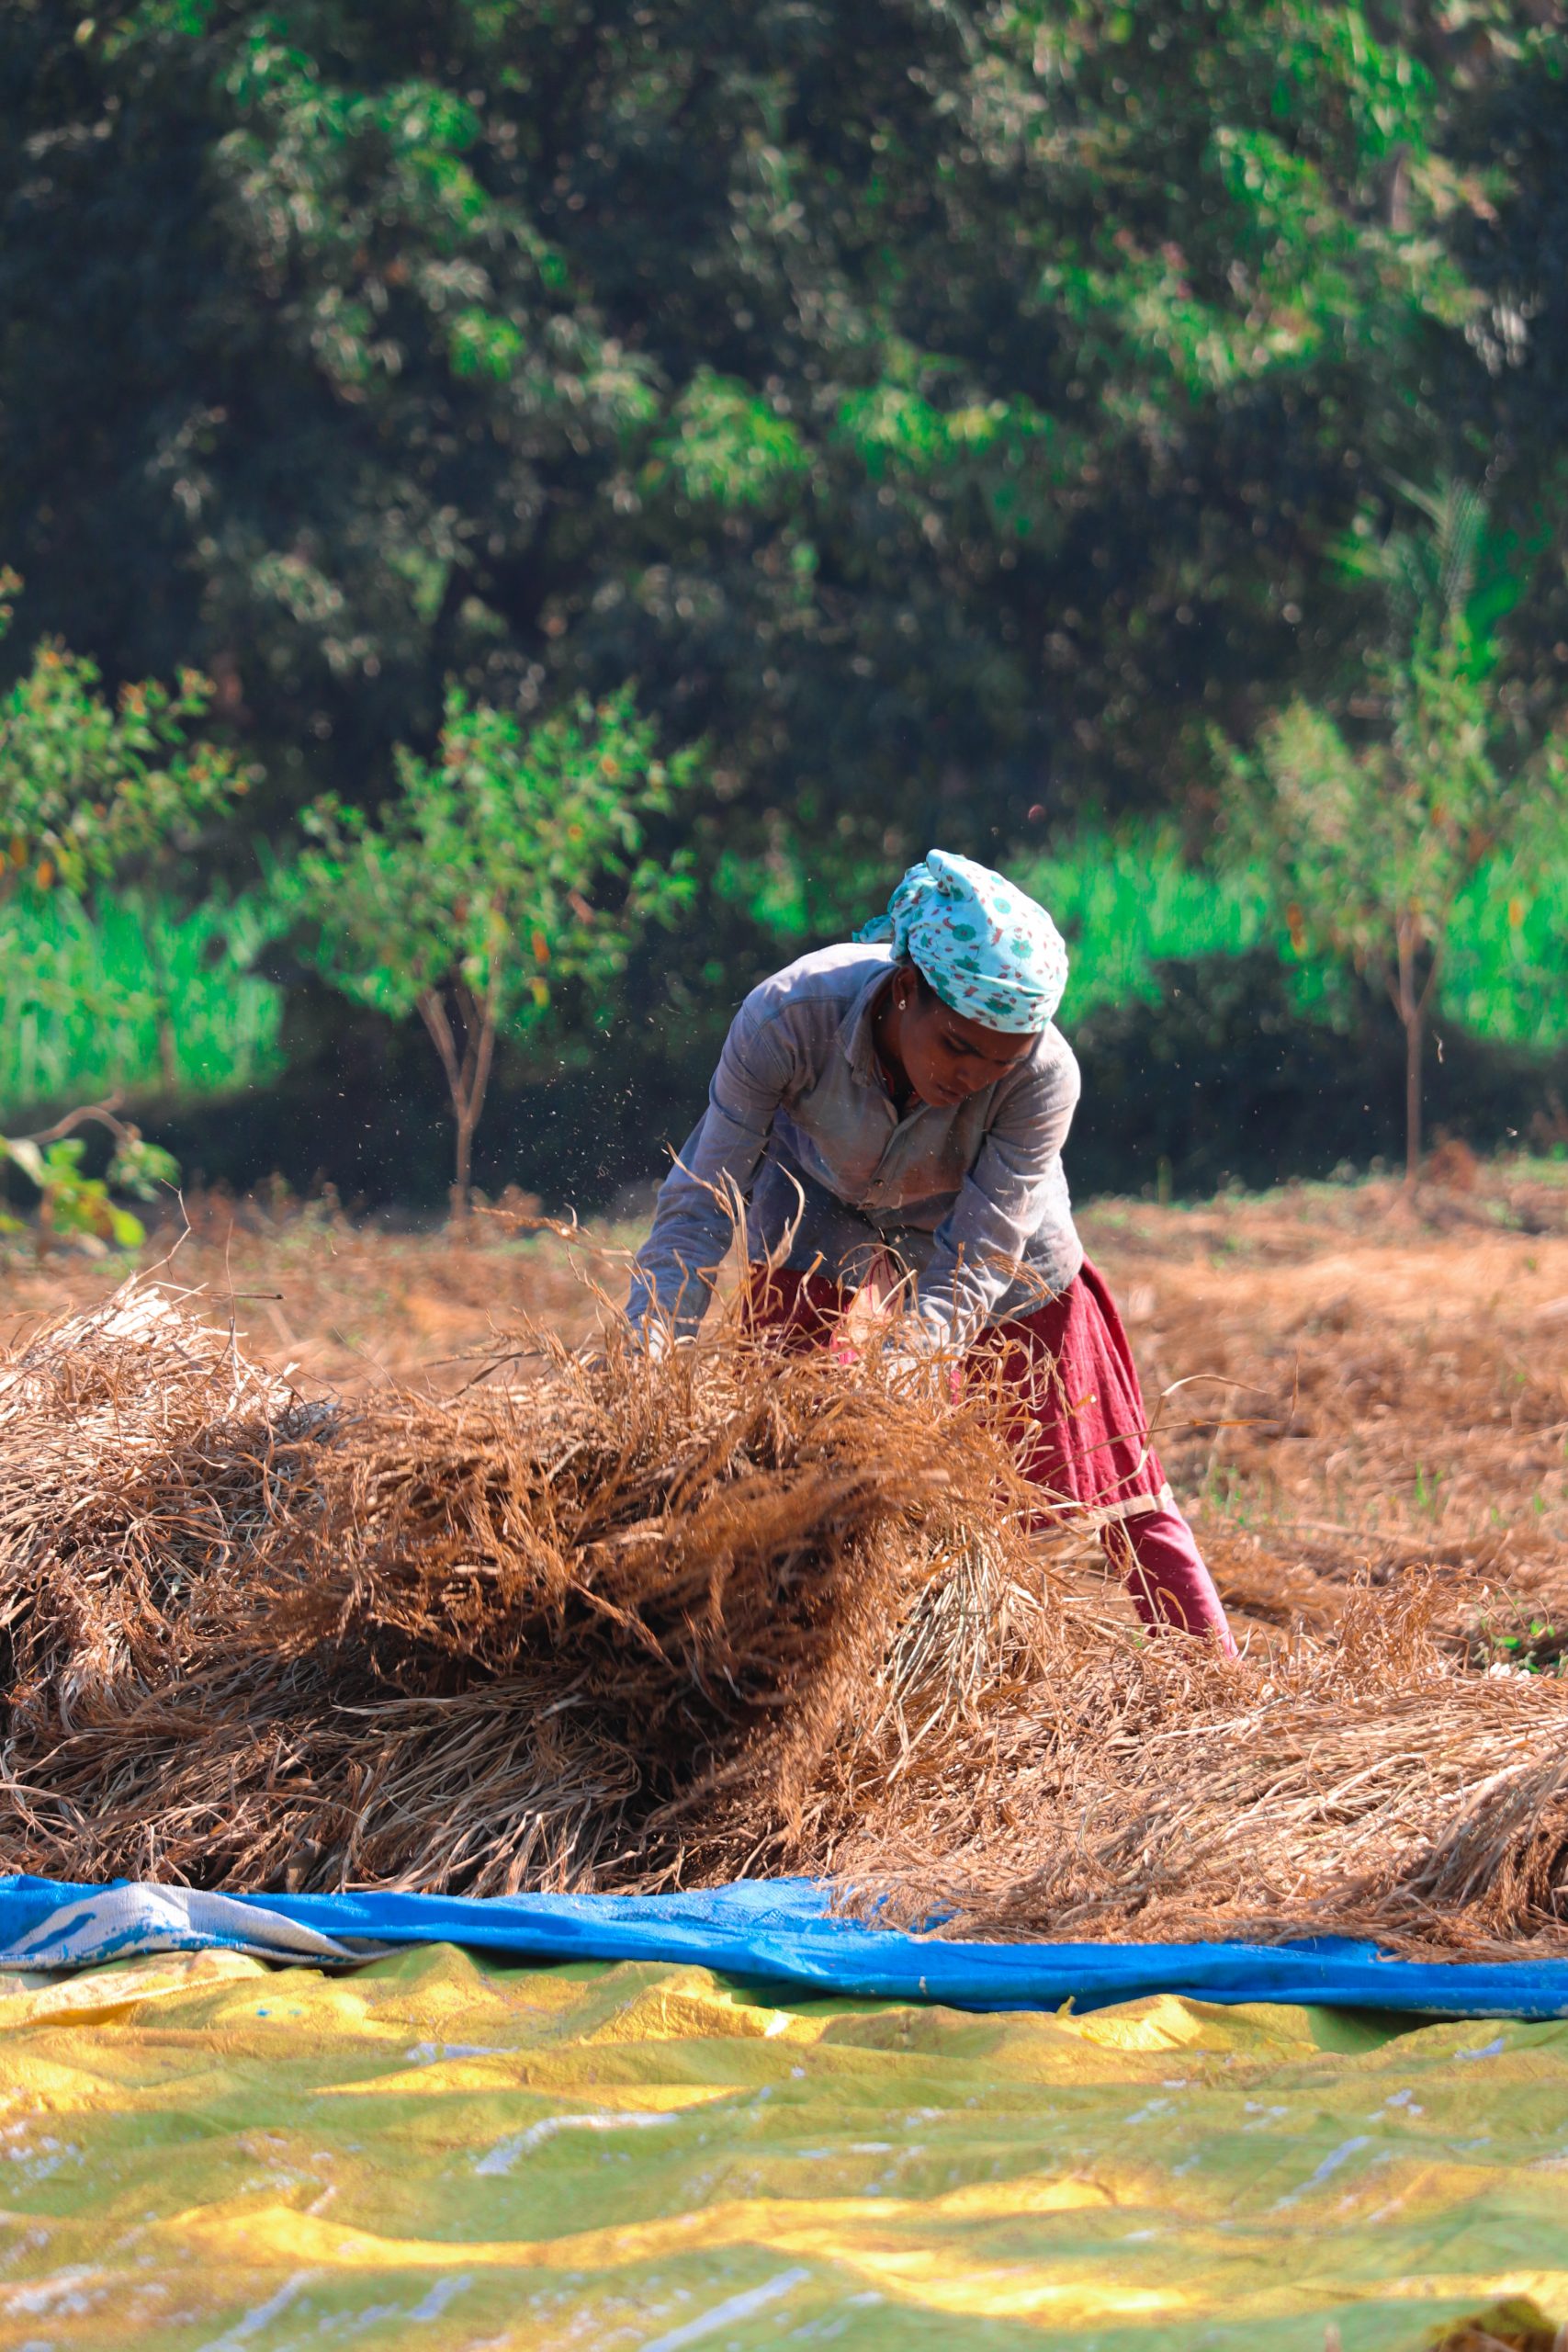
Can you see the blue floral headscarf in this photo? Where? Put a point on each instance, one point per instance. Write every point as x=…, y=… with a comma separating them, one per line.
x=986, y=949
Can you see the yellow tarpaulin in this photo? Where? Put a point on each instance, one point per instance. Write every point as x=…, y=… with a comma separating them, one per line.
x=431, y=2151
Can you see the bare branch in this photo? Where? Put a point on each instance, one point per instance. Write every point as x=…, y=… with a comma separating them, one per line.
x=99, y=1115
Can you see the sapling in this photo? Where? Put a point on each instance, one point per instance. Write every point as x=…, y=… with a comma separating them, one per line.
x=509, y=866
x=96, y=791
x=1368, y=837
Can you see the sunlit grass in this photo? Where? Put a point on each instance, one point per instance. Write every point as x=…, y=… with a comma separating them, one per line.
x=80, y=991
x=131, y=997
x=1130, y=899
x=1126, y=901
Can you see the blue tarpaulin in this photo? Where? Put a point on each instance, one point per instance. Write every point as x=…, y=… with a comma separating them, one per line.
x=779, y=1930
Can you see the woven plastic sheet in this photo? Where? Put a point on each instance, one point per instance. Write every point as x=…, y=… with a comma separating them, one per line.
x=207, y=2153
x=779, y=1930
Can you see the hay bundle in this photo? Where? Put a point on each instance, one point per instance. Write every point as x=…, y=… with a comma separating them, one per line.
x=575, y=1631
x=629, y=1624
x=1368, y=1785
x=100, y=1543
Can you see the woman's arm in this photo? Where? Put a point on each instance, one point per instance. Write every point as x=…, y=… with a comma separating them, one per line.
x=980, y=1243
x=717, y=1167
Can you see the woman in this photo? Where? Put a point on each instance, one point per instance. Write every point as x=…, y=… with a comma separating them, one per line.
x=889, y=1116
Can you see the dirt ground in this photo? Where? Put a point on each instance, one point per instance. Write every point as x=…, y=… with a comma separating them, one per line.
x=1340, y=1382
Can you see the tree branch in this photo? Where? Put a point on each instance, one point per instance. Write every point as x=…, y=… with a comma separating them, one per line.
x=1431, y=979
x=432, y=1012
x=101, y=1114
x=485, y=1031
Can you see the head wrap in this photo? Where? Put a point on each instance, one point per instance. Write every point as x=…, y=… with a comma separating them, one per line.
x=989, y=951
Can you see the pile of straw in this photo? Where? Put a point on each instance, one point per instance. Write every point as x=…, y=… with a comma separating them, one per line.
x=577, y=1630
x=624, y=1624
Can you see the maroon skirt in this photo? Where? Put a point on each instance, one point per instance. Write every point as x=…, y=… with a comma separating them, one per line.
x=1065, y=1371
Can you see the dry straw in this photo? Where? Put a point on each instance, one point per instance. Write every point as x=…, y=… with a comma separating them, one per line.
x=629, y=1624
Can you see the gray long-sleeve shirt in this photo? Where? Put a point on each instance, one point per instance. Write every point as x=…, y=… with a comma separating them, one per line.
x=801, y=1130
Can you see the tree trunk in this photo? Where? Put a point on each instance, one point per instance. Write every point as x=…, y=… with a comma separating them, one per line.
x=1413, y=1042
x=1410, y=1004
x=460, y=1198
x=467, y=1068
x=1411, y=1007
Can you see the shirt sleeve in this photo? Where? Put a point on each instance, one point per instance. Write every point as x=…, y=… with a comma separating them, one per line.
x=711, y=1180
x=979, y=1245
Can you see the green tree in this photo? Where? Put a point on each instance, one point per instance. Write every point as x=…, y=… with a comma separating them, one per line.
x=945, y=411
x=507, y=870
x=942, y=409
x=93, y=792
x=1371, y=826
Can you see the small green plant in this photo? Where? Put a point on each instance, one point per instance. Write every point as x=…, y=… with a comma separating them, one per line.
x=1428, y=1486
x=95, y=792
x=507, y=868
x=74, y=1207
x=1535, y=1645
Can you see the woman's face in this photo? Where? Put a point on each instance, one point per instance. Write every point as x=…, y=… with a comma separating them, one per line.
x=946, y=1056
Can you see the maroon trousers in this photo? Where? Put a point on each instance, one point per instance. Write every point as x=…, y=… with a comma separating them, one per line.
x=1080, y=1426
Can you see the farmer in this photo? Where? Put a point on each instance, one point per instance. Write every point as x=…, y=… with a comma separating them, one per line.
x=888, y=1118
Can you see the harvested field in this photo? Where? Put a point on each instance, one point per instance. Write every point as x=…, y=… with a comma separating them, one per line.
x=578, y=1623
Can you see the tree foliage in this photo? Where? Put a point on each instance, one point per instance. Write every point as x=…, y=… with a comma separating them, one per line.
x=74, y=1206
x=99, y=792
x=947, y=408
x=95, y=790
